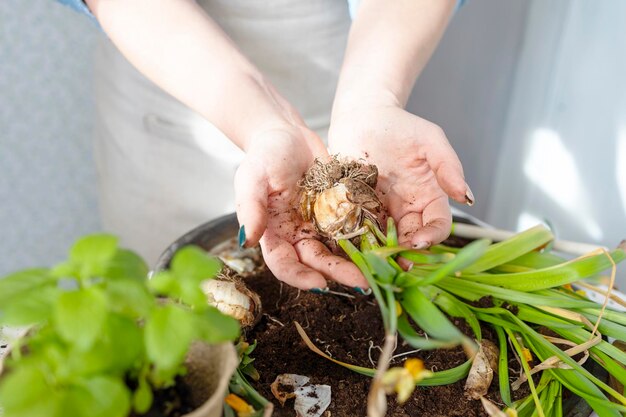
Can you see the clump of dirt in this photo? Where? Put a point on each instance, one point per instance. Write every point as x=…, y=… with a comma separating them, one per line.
x=348, y=329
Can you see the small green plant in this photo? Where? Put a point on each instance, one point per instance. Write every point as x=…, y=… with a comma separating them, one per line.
x=102, y=337
x=243, y=400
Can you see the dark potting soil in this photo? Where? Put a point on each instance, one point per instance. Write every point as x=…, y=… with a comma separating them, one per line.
x=175, y=401
x=349, y=329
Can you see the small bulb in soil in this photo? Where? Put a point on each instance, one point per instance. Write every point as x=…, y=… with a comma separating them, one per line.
x=230, y=295
x=338, y=195
x=481, y=373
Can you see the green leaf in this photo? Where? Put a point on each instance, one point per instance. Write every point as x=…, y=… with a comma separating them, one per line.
x=127, y=265
x=30, y=308
x=96, y=248
x=410, y=336
x=250, y=348
x=142, y=397
x=428, y=317
x=512, y=248
x=213, y=326
x=193, y=263
x=251, y=371
x=453, y=307
x=125, y=338
x=101, y=396
x=191, y=294
x=168, y=333
x=21, y=388
x=80, y=315
x=466, y=256
x=380, y=267
x=164, y=283
x=22, y=283
x=130, y=298
x=550, y=277
x=392, y=233
x=503, y=367
x=93, y=253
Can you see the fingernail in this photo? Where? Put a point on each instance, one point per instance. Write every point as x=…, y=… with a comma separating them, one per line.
x=421, y=245
x=242, y=236
x=319, y=290
x=362, y=291
x=469, y=197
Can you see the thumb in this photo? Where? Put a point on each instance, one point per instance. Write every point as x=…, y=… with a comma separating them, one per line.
x=251, y=202
x=448, y=169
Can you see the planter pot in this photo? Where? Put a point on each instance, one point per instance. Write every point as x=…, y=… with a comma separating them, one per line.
x=217, y=231
x=209, y=368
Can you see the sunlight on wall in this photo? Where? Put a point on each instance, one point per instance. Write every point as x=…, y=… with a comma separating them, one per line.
x=552, y=168
x=620, y=165
x=525, y=221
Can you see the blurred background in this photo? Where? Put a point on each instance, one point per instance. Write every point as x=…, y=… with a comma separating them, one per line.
x=530, y=93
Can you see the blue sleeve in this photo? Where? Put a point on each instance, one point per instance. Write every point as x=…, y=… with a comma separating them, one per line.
x=79, y=6
x=459, y=4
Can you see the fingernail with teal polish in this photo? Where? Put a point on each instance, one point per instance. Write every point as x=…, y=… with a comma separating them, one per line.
x=319, y=290
x=242, y=236
x=362, y=291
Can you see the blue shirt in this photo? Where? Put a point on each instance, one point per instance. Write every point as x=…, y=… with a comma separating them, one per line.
x=80, y=6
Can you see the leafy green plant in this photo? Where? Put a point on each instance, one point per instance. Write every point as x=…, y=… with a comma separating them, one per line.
x=534, y=313
x=243, y=400
x=102, y=337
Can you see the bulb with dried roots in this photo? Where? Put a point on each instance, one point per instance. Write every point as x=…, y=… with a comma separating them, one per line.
x=338, y=195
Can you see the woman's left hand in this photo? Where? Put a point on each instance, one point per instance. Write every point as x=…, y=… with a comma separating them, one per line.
x=418, y=169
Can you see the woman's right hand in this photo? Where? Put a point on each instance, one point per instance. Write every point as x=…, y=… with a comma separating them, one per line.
x=266, y=193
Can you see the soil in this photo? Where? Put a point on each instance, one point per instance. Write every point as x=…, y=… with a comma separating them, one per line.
x=175, y=401
x=349, y=329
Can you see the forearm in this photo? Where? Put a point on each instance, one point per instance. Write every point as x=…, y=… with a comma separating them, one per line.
x=390, y=42
x=176, y=45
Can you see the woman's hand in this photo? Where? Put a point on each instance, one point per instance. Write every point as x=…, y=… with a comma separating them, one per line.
x=268, y=209
x=418, y=169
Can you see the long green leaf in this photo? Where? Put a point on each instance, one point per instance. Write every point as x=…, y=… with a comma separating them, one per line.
x=541, y=342
x=466, y=256
x=448, y=376
x=453, y=307
x=474, y=291
x=430, y=319
x=419, y=342
x=554, y=276
x=512, y=248
x=503, y=367
x=537, y=260
x=357, y=257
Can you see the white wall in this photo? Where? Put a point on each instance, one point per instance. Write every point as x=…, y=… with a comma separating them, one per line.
x=47, y=180
x=564, y=146
x=466, y=86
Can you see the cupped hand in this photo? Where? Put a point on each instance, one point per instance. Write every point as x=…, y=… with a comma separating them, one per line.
x=418, y=169
x=267, y=201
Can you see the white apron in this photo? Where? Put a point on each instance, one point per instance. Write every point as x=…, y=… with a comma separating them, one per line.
x=158, y=174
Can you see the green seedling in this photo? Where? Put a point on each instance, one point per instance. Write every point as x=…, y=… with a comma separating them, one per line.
x=102, y=338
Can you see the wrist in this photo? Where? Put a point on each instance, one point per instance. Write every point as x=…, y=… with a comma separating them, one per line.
x=359, y=96
x=247, y=106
